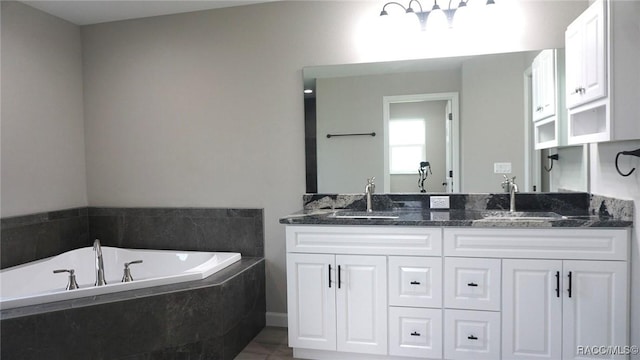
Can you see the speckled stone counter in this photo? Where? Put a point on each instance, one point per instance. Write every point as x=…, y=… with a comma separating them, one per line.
x=476, y=210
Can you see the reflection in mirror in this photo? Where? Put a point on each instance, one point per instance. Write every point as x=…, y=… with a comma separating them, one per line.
x=494, y=124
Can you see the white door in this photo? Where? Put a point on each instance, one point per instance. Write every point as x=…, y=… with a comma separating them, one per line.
x=361, y=298
x=311, y=291
x=531, y=309
x=594, y=307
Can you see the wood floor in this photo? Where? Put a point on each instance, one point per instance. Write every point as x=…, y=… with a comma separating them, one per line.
x=270, y=344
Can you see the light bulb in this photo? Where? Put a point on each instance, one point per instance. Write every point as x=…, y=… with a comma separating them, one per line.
x=437, y=20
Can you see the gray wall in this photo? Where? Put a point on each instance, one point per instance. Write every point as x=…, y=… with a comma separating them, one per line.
x=354, y=105
x=491, y=120
x=43, y=160
x=168, y=122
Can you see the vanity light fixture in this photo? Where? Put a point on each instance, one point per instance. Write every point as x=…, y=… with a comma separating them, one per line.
x=437, y=17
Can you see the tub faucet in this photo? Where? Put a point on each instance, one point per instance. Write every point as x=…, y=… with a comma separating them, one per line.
x=511, y=186
x=99, y=264
x=368, y=190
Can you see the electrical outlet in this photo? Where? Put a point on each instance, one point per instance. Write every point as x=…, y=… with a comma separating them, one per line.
x=439, y=202
x=502, y=168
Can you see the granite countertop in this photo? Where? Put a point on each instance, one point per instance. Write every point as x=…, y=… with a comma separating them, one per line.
x=453, y=218
x=537, y=210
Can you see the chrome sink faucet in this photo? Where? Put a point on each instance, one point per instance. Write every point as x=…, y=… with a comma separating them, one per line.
x=511, y=186
x=99, y=264
x=368, y=190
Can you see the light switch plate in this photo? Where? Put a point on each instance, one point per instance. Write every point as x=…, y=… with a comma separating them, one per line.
x=502, y=168
x=439, y=202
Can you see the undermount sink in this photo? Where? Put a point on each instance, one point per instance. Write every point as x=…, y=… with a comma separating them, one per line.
x=520, y=215
x=365, y=215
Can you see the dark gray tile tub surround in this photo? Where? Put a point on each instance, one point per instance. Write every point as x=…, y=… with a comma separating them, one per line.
x=37, y=236
x=237, y=230
x=578, y=209
x=213, y=318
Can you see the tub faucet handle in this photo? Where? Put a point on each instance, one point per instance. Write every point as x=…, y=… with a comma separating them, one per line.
x=73, y=284
x=127, y=272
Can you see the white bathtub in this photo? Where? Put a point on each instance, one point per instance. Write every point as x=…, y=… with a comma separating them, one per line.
x=35, y=283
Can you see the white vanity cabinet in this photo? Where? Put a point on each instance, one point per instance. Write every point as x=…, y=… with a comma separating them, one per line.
x=602, y=49
x=339, y=291
x=548, y=108
x=340, y=302
x=561, y=288
x=553, y=306
x=402, y=292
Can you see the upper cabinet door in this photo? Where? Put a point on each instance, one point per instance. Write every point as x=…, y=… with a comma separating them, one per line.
x=544, y=85
x=586, y=65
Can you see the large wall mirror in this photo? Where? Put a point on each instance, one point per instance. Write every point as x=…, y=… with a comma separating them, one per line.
x=489, y=125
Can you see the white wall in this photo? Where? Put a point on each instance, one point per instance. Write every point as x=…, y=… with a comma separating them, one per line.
x=43, y=162
x=205, y=109
x=605, y=180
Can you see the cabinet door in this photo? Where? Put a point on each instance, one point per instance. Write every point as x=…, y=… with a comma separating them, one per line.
x=311, y=301
x=595, y=310
x=586, y=56
x=531, y=309
x=361, y=299
x=593, y=54
x=544, y=84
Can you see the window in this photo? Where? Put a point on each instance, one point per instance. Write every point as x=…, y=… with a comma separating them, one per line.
x=406, y=145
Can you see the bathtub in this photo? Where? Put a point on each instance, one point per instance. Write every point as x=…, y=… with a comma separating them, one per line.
x=35, y=283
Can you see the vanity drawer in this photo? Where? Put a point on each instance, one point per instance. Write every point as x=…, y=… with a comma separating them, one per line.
x=415, y=281
x=473, y=335
x=472, y=283
x=555, y=243
x=415, y=332
x=365, y=240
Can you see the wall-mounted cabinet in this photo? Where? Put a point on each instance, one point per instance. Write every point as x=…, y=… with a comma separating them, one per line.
x=548, y=108
x=602, y=81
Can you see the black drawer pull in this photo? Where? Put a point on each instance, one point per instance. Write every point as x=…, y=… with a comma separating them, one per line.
x=569, y=284
x=415, y=283
x=557, y=283
x=471, y=337
x=415, y=333
x=472, y=284
x=329, y=275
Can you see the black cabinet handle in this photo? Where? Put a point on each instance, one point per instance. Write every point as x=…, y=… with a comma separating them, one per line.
x=471, y=337
x=415, y=283
x=415, y=333
x=569, y=284
x=557, y=283
x=329, y=275
x=339, y=280
x=472, y=284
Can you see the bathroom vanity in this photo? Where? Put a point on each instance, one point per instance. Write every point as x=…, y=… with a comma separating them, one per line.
x=455, y=284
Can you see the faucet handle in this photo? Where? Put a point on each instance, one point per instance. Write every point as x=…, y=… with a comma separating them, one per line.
x=73, y=284
x=371, y=180
x=126, y=277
